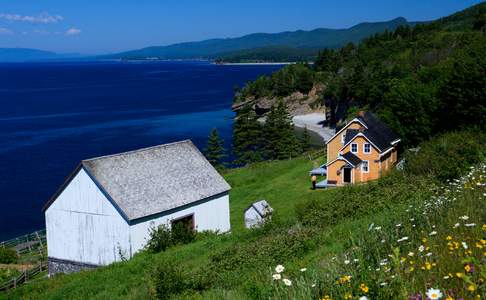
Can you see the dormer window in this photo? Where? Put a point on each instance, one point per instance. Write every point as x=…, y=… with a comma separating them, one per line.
x=366, y=148
x=354, y=148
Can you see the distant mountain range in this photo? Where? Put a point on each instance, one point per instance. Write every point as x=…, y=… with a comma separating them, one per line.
x=284, y=46
x=26, y=54
x=258, y=45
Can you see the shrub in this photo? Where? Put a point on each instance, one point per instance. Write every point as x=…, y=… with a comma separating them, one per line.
x=447, y=156
x=167, y=280
x=8, y=256
x=163, y=237
x=160, y=239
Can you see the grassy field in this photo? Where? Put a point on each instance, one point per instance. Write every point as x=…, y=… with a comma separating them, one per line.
x=394, y=238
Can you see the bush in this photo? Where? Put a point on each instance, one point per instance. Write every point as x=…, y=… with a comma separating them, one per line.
x=360, y=200
x=162, y=237
x=8, y=256
x=167, y=280
x=447, y=156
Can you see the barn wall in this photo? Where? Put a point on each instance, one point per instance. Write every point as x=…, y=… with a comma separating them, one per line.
x=83, y=226
x=211, y=215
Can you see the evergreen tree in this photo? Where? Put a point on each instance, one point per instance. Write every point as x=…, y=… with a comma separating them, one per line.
x=305, y=140
x=280, y=139
x=247, y=137
x=214, y=150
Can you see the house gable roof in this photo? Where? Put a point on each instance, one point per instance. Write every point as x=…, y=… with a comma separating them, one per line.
x=344, y=128
x=348, y=157
x=149, y=181
x=376, y=132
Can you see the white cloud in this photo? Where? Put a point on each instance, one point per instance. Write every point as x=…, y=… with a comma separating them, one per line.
x=5, y=31
x=73, y=31
x=43, y=18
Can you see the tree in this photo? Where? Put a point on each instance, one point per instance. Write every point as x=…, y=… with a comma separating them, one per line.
x=247, y=137
x=280, y=139
x=305, y=140
x=214, y=150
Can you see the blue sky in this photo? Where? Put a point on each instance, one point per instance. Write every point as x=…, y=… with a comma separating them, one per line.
x=104, y=26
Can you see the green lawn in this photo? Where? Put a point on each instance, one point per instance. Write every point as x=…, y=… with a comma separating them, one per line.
x=282, y=183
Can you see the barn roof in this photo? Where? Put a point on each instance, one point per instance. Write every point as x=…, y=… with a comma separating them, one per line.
x=157, y=179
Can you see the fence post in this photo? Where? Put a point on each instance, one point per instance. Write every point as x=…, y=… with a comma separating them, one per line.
x=15, y=282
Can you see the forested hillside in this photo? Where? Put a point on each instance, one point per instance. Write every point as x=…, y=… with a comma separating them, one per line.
x=420, y=80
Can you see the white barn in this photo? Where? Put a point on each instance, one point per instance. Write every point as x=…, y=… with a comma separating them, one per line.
x=105, y=208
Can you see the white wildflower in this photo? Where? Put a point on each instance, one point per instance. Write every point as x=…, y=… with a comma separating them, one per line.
x=428, y=254
x=287, y=282
x=464, y=218
x=464, y=245
x=279, y=269
x=378, y=228
x=276, y=276
x=303, y=269
x=421, y=248
x=470, y=225
x=363, y=298
x=398, y=225
x=346, y=262
x=383, y=284
x=402, y=239
x=457, y=225
x=355, y=260
x=371, y=226
x=434, y=294
x=433, y=233
x=411, y=254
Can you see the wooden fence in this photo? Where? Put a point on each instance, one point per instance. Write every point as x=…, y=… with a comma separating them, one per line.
x=27, y=242
x=23, y=277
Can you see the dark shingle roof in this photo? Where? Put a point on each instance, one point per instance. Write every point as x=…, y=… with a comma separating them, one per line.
x=153, y=180
x=351, y=158
x=350, y=134
x=378, y=133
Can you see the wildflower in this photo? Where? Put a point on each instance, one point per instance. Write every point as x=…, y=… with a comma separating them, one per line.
x=326, y=297
x=276, y=276
x=457, y=225
x=287, y=282
x=469, y=268
x=346, y=262
x=427, y=266
x=424, y=240
x=355, y=260
x=421, y=248
x=471, y=287
x=383, y=284
x=464, y=245
x=429, y=254
x=402, y=239
x=364, y=288
x=449, y=298
x=411, y=254
x=348, y=296
x=303, y=269
x=371, y=226
x=459, y=275
x=433, y=233
x=484, y=225
x=470, y=225
x=313, y=285
x=363, y=298
x=378, y=228
x=434, y=294
x=449, y=238
x=279, y=269
x=398, y=225
x=464, y=218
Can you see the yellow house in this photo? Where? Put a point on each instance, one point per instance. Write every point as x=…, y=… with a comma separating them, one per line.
x=364, y=149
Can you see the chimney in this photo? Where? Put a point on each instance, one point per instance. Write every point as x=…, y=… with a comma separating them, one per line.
x=360, y=113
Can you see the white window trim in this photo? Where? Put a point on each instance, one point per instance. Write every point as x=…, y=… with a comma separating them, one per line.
x=357, y=148
x=343, y=138
x=364, y=148
x=367, y=164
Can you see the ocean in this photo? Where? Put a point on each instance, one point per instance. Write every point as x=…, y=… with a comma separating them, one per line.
x=55, y=114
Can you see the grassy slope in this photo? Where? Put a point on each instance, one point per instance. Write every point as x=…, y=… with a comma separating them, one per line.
x=280, y=183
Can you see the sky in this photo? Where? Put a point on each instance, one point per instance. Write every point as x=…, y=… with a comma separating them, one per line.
x=108, y=26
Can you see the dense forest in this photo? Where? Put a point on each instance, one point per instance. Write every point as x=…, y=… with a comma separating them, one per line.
x=421, y=81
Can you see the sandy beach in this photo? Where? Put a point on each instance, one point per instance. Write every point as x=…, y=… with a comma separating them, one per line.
x=311, y=121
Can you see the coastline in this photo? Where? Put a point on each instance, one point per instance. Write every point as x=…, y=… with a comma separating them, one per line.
x=255, y=63
x=311, y=121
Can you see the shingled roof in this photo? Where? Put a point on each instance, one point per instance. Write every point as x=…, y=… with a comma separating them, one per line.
x=351, y=158
x=153, y=180
x=378, y=133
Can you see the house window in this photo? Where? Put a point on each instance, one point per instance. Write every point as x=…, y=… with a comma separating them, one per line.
x=365, y=167
x=343, y=138
x=354, y=148
x=366, y=148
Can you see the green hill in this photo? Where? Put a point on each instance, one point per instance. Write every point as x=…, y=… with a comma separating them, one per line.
x=372, y=233
x=310, y=40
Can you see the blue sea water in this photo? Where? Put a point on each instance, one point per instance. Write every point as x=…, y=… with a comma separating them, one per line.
x=53, y=115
